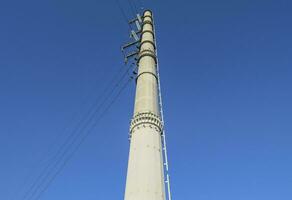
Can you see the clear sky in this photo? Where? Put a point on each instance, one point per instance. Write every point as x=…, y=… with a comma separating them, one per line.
x=226, y=81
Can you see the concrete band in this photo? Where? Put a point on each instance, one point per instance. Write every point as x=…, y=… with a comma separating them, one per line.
x=146, y=118
x=147, y=31
x=148, y=41
x=147, y=73
x=147, y=53
x=149, y=17
x=148, y=22
x=147, y=10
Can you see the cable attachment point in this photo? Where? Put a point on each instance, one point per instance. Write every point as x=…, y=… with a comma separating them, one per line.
x=130, y=55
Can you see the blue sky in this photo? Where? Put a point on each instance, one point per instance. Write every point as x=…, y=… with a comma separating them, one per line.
x=226, y=81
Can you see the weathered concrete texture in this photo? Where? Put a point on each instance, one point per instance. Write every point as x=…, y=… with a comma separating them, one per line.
x=145, y=178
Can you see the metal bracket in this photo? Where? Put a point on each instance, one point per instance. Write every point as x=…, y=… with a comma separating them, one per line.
x=138, y=18
x=134, y=35
x=138, y=22
x=138, y=25
x=132, y=54
x=129, y=45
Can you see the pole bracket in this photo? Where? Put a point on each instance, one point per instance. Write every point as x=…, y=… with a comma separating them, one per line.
x=132, y=54
x=129, y=45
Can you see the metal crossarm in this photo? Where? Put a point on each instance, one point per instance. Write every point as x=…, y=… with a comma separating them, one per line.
x=130, y=44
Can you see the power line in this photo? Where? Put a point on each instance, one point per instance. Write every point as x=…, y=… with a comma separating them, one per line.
x=59, y=156
x=123, y=13
x=81, y=141
x=135, y=6
x=58, y=136
x=72, y=137
x=141, y=4
x=132, y=7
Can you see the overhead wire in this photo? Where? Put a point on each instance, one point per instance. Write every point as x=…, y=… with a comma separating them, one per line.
x=135, y=6
x=141, y=4
x=123, y=13
x=71, y=140
x=65, y=148
x=132, y=7
x=58, y=137
x=82, y=140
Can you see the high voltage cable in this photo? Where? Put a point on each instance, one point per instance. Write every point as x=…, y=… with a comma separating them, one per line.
x=141, y=4
x=135, y=6
x=82, y=140
x=58, y=136
x=67, y=145
x=48, y=166
x=58, y=162
x=132, y=7
x=70, y=141
x=64, y=150
x=123, y=13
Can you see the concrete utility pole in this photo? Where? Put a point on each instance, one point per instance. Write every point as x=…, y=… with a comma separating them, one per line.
x=145, y=177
